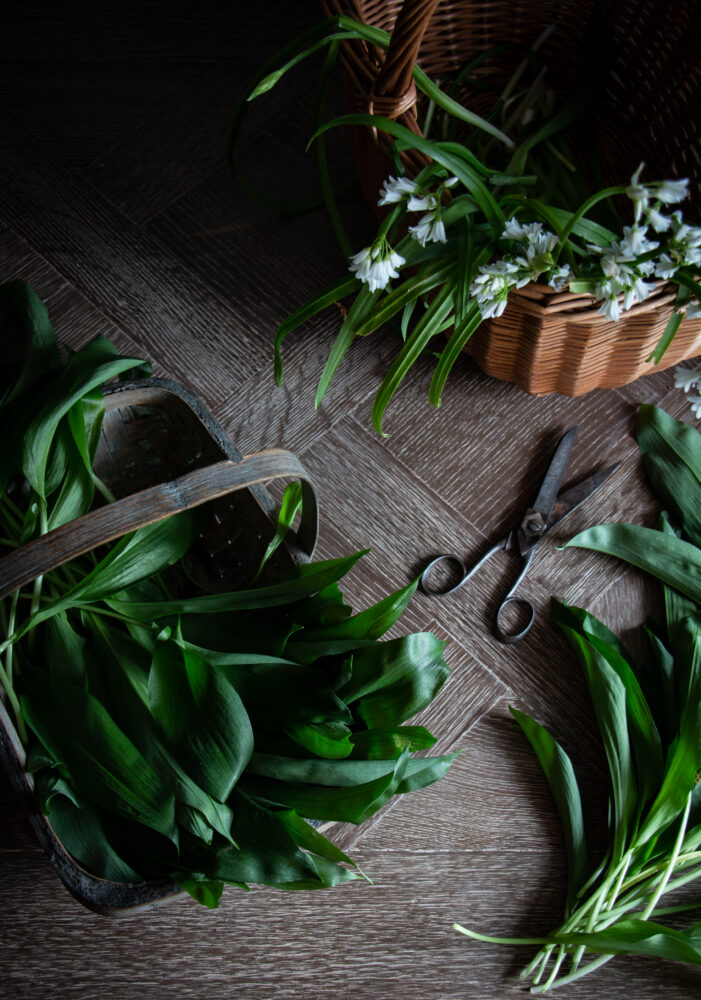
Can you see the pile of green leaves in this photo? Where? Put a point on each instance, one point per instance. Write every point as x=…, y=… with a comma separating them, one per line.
x=188, y=736
x=650, y=721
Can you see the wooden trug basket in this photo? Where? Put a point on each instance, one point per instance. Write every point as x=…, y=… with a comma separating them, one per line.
x=160, y=452
x=547, y=341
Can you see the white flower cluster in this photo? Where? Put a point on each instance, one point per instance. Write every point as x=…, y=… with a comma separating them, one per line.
x=686, y=379
x=623, y=271
x=377, y=264
x=531, y=259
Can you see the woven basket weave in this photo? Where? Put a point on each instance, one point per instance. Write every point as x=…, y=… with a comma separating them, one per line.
x=547, y=341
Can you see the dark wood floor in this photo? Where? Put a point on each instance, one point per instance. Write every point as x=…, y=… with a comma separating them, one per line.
x=116, y=205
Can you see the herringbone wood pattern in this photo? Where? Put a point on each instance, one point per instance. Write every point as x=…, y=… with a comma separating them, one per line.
x=116, y=205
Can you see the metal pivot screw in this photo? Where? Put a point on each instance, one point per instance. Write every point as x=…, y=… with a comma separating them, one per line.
x=535, y=523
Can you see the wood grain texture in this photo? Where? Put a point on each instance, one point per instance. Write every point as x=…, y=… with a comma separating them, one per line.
x=116, y=205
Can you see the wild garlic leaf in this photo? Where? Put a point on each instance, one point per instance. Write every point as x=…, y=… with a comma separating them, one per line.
x=41, y=357
x=97, y=756
x=672, y=560
x=395, y=679
x=305, y=580
x=331, y=740
x=559, y=772
x=374, y=744
x=90, y=367
x=369, y=624
x=201, y=718
x=608, y=695
x=644, y=736
x=83, y=834
x=641, y=937
x=671, y=453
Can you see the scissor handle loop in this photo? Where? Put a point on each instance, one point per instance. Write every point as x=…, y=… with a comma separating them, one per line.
x=511, y=637
x=425, y=578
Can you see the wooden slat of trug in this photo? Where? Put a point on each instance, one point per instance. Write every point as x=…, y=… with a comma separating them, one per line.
x=146, y=507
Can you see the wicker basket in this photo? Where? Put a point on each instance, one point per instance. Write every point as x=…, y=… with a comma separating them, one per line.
x=545, y=341
x=160, y=452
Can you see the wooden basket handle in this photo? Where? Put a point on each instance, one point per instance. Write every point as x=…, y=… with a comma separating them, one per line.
x=156, y=503
x=394, y=81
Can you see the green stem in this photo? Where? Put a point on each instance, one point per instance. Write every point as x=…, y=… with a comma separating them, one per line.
x=670, y=866
x=571, y=977
x=497, y=940
x=582, y=210
x=103, y=489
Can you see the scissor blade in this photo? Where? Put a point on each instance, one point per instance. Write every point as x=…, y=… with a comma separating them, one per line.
x=543, y=503
x=569, y=500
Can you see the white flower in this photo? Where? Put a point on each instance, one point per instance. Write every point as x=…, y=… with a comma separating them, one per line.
x=376, y=265
x=491, y=287
x=665, y=267
x=671, y=192
x=638, y=193
x=396, y=189
x=423, y=203
x=687, y=378
x=659, y=222
x=693, y=310
x=696, y=406
x=451, y=182
x=611, y=309
x=636, y=291
x=429, y=229
x=560, y=277
x=635, y=241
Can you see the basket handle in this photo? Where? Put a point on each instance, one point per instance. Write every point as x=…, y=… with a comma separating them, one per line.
x=394, y=81
x=156, y=503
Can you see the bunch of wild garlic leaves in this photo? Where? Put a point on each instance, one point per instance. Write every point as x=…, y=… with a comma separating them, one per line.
x=188, y=736
x=650, y=722
x=500, y=204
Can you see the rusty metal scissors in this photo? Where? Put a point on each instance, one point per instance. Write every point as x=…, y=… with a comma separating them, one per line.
x=548, y=509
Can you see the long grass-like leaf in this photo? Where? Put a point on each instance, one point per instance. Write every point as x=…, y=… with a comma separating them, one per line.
x=426, y=327
x=676, y=562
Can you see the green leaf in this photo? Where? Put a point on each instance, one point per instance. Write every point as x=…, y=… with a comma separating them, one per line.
x=378, y=744
x=644, y=737
x=357, y=314
x=332, y=773
x=671, y=453
x=641, y=937
x=369, y=624
x=41, y=357
x=558, y=769
x=668, y=335
x=346, y=804
x=90, y=367
x=315, y=305
x=201, y=717
x=685, y=753
x=426, y=327
x=208, y=892
x=83, y=835
x=396, y=679
x=305, y=580
x=608, y=695
x=325, y=739
x=125, y=671
x=457, y=166
x=675, y=562
x=290, y=506
x=96, y=755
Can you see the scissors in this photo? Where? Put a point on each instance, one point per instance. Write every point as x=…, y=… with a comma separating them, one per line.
x=548, y=509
